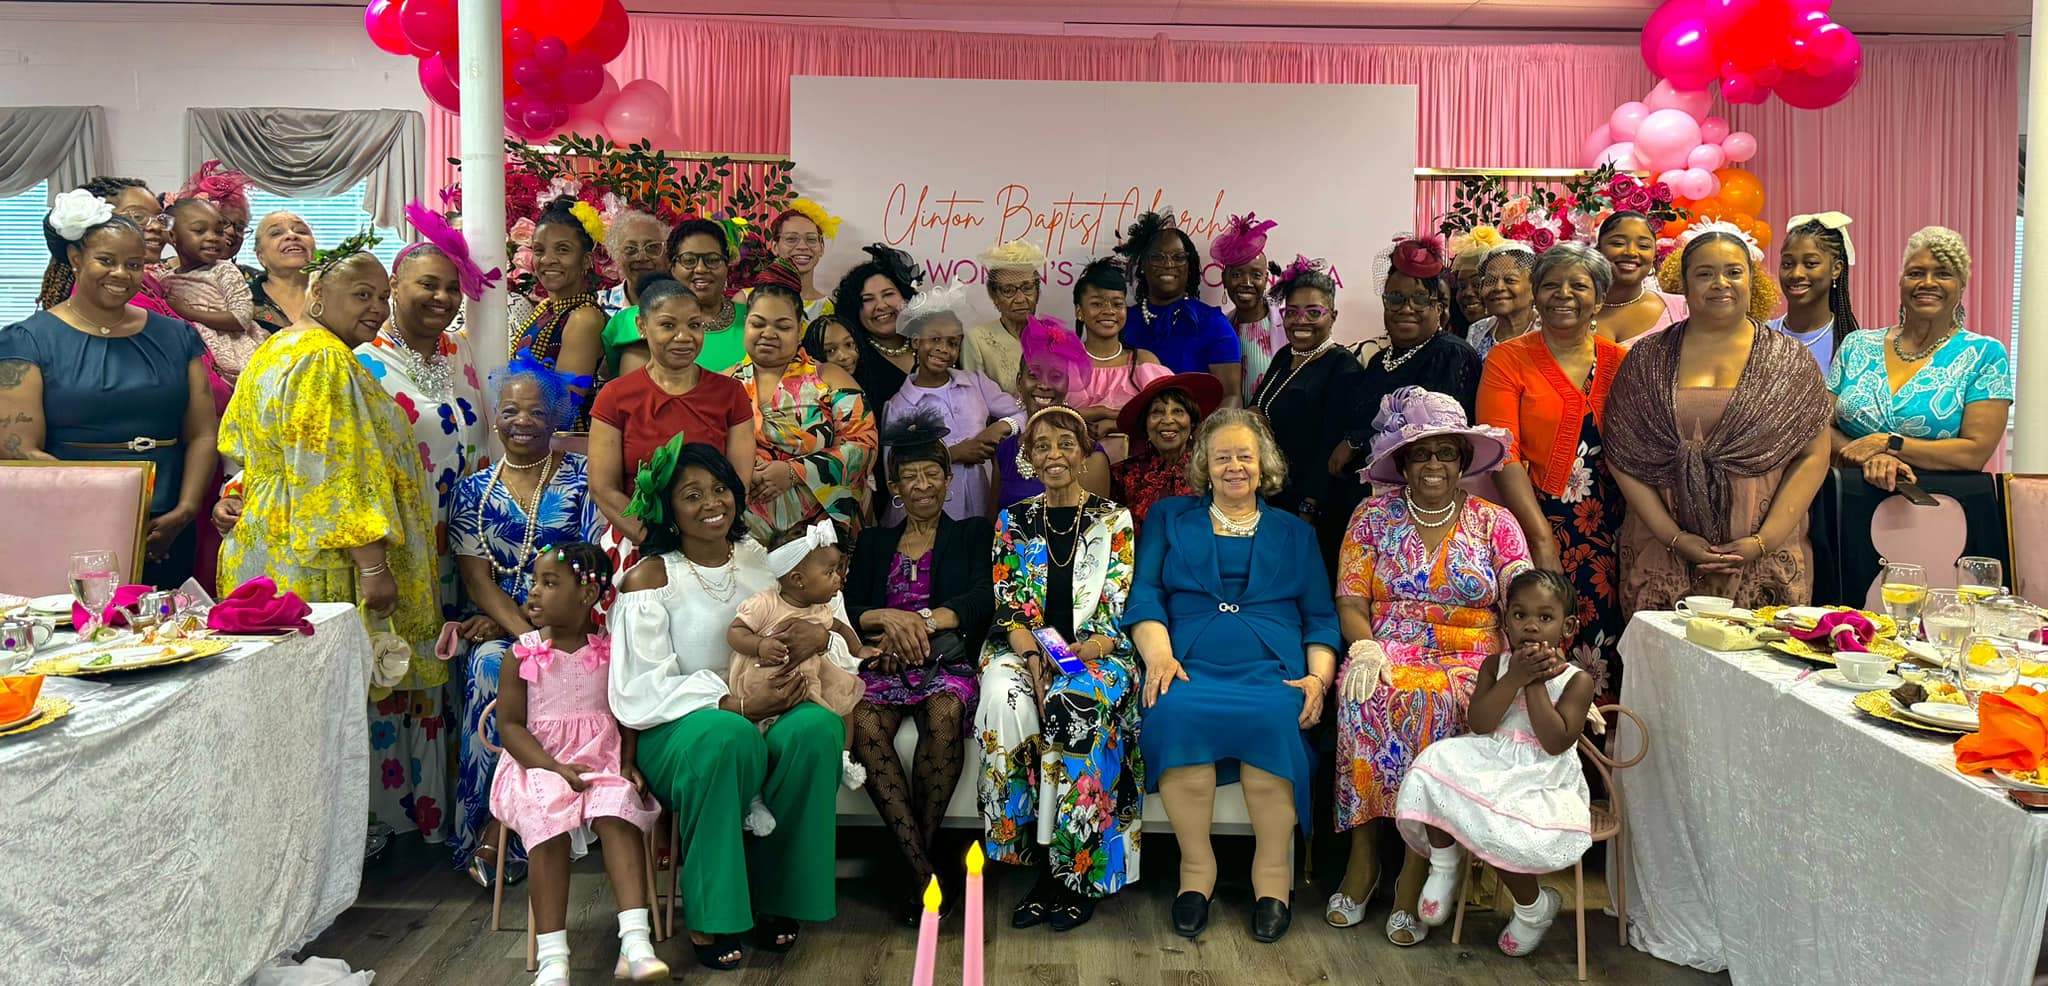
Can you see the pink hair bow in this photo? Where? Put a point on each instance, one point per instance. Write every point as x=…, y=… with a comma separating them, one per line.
x=217, y=183
x=537, y=655
x=449, y=241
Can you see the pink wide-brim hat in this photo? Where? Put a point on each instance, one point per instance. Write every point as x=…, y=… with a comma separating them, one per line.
x=1411, y=414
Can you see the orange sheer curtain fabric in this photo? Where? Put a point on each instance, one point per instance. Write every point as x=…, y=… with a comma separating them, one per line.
x=1931, y=135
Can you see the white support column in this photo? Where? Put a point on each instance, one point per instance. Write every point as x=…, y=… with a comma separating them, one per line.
x=483, y=172
x=2030, y=389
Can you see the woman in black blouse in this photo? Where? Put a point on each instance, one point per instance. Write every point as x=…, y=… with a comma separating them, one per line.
x=1305, y=396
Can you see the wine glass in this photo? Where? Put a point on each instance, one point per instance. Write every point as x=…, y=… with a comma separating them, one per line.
x=93, y=581
x=1987, y=664
x=1904, y=590
x=1978, y=577
x=1945, y=619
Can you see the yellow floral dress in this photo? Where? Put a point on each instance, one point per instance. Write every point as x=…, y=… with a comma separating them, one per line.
x=329, y=463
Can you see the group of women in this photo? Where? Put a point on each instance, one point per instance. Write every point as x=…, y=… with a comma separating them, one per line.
x=1210, y=533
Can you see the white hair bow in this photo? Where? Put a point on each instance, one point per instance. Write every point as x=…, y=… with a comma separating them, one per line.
x=785, y=559
x=76, y=211
x=1695, y=231
x=1830, y=220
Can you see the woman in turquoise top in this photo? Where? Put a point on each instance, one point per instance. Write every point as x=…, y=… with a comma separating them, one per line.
x=701, y=254
x=1926, y=393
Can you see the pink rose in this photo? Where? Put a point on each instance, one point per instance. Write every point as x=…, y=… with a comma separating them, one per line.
x=1661, y=192
x=1623, y=186
x=1541, y=239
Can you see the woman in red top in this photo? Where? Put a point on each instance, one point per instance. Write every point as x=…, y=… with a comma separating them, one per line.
x=1166, y=414
x=639, y=412
x=1548, y=388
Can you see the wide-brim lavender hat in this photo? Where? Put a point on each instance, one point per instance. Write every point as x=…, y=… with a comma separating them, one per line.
x=1411, y=414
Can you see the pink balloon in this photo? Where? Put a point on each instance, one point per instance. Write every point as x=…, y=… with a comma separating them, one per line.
x=1622, y=123
x=1707, y=157
x=428, y=24
x=583, y=123
x=1696, y=183
x=610, y=89
x=519, y=41
x=438, y=87
x=580, y=79
x=633, y=115
x=1668, y=97
x=647, y=87
x=1666, y=137
x=1595, y=142
x=528, y=73
x=544, y=91
x=1621, y=155
x=380, y=22
x=1672, y=178
x=1660, y=23
x=665, y=139
x=550, y=51
x=1713, y=130
x=1739, y=146
x=1685, y=56
x=608, y=38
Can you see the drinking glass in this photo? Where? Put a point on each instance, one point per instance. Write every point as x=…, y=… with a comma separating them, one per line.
x=1904, y=591
x=1978, y=577
x=1987, y=664
x=93, y=581
x=1945, y=619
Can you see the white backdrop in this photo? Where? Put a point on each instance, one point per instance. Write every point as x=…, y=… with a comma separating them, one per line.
x=945, y=168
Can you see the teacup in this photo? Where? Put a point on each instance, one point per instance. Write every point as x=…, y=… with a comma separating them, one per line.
x=20, y=636
x=1705, y=605
x=1861, y=668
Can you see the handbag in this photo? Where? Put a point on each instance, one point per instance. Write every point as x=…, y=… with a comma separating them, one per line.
x=390, y=657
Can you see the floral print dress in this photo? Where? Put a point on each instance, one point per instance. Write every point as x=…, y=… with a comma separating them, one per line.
x=1586, y=519
x=1072, y=779
x=1437, y=617
x=828, y=435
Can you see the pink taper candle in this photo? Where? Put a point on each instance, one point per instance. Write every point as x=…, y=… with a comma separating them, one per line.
x=927, y=937
x=971, y=961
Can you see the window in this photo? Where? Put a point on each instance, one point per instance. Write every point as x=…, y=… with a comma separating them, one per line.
x=23, y=254
x=332, y=220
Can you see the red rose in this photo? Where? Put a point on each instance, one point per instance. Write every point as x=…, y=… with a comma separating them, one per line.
x=1519, y=231
x=1623, y=185
x=1661, y=192
x=1541, y=240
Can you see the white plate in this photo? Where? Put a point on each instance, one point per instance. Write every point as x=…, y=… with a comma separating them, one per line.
x=50, y=605
x=1944, y=714
x=125, y=656
x=1920, y=649
x=2018, y=785
x=1834, y=677
x=1804, y=614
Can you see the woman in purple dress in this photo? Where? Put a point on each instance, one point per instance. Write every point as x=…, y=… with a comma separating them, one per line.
x=921, y=590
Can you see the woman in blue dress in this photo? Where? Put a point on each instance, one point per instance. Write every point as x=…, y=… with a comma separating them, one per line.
x=1926, y=393
x=503, y=518
x=1231, y=611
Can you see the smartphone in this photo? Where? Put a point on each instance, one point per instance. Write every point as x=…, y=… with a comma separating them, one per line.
x=2030, y=800
x=1056, y=647
x=1916, y=496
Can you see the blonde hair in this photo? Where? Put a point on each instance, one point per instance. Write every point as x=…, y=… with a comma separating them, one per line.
x=1272, y=463
x=1763, y=290
x=1945, y=244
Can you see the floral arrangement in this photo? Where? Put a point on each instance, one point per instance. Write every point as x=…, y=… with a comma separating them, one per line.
x=607, y=179
x=1484, y=215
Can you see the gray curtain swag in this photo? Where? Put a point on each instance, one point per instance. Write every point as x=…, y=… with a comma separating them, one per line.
x=307, y=153
x=57, y=143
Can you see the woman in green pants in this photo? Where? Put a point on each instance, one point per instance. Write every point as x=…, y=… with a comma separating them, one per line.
x=722, y=776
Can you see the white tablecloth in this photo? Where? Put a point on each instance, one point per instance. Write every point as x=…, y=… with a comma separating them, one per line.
x=1782, y=836
x=187, y=825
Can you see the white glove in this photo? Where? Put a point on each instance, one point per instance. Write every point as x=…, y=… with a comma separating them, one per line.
x=1364, y=671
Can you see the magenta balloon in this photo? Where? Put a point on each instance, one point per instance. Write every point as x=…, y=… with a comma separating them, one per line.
x=1742, y=89
x=544, y=91
x=550, y=50
x=1724, y=17
x=1622, y=155
x=539, y=116
x=580, y=79
x=380, y=22
x=1666, y=137
x=1713, y=130
x=608, y=38
x=528, y=72
x=428, y=24
x=1597, y=141
x=1622, y=123
x=1661, y=21
x=1707, y=157
x=1739, y=147
x=1832, y=40
x=451, y=66
x=519, y=41
x=1803, y=7
x=438, y=87
x=1685, y=56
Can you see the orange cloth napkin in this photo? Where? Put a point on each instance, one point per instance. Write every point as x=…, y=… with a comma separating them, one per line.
x=18, y=696
x=2012, y=733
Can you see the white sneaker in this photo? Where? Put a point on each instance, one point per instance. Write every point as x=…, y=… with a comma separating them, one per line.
x=851, y=774
x=554, y=972
x=1440, y=892
x=760, y=822
x=1404, y=923
x=1521, y=937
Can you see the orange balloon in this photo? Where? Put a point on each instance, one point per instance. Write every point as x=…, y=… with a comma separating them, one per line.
x=1741, y=189
x=1709, y=208
x=1762, y=231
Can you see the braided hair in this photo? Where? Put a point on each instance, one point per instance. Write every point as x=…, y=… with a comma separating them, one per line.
x=58, y=278
x=1838, y=291
x=1553, y=582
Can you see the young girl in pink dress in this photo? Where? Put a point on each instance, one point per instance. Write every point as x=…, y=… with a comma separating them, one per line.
x=208, y=290
x=1511, y=790
x=569, y=765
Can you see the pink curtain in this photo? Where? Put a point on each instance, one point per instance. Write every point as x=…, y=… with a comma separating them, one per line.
x=1930, y=136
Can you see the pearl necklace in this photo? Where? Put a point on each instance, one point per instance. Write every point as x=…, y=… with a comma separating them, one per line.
x=432, y=373
x=1119, y=354
x=1395, y=361
x=1266, y=397
x=722, y=593
x=1641, y=289
x=1444, y=515
x=886, y=351
x=531, y=508
x=1234, y=528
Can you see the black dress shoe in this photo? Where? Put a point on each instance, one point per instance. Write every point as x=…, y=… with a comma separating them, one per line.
x=1072, y=911
x=1190, y=914
x=1270, y=918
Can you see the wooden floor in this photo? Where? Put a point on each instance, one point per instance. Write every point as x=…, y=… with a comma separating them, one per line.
x=417, y=923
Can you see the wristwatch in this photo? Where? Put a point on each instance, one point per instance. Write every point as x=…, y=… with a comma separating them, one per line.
x=931, y=623
x=1893, y=443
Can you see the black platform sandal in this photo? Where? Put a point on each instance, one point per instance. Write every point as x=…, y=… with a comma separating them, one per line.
x=713, y=955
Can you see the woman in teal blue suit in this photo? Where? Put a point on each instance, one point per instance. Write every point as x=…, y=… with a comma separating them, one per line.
x=1231, y=611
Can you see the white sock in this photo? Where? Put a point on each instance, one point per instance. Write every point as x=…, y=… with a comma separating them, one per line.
x=551, y=954
x=633, y=935
x=851, y=774
x=1434, y=907
x=760, y=821
x=1531, y=912
x=1445, y=860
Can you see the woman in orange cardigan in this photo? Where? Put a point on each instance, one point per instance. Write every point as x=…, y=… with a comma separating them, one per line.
x=1549, y=390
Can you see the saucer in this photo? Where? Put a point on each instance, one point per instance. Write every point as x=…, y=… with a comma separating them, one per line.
x=1834, y=678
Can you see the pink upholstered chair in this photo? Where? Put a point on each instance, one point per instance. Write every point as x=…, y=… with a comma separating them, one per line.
x=2026, y=504
x=53, y=509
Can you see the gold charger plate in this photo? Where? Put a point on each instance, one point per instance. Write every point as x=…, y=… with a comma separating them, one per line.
x=1886, y=627
x=1880, y=705
x=187, y=651
x=49, y=709
x=1885, y=647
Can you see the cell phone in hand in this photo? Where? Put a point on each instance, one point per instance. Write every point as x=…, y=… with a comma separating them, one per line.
x=1057, y=648
x=2030, y=800
x=1915, y=495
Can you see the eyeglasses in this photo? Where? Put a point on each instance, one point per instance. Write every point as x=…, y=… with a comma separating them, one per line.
x=692, y=261
x=651, y=248
x=1313, y=313
x=147, y=220
x=1014, y=290
x=1166, y=261
x=1441, y=453
x=1395, y=302
x=232, y=229
x=790, y=240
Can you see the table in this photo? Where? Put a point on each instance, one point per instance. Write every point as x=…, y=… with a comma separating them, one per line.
x=189, y=824
x=1778, y=834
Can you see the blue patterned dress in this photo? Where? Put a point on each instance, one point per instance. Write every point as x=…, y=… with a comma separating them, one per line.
x=494, y=529
x=1966, y=369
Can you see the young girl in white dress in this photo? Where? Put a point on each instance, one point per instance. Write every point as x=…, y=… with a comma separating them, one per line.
x=1511, y=790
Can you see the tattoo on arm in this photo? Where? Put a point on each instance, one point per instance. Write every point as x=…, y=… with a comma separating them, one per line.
x=13, y=372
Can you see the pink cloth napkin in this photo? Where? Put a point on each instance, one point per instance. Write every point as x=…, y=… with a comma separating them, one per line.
x=115, y=615
x=257, y=607
x=1845, y=631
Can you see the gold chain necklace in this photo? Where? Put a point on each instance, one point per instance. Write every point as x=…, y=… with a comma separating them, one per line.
x=1072, y=529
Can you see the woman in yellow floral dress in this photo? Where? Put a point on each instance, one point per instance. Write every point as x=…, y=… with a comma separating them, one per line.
x=334, y=508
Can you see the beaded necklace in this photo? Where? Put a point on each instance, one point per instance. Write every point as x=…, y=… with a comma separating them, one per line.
x=550, y=316
x=431, y=373
x=531, y=508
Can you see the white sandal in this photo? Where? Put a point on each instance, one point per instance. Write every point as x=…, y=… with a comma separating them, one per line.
x=1351, y=911
x=1402, y=921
